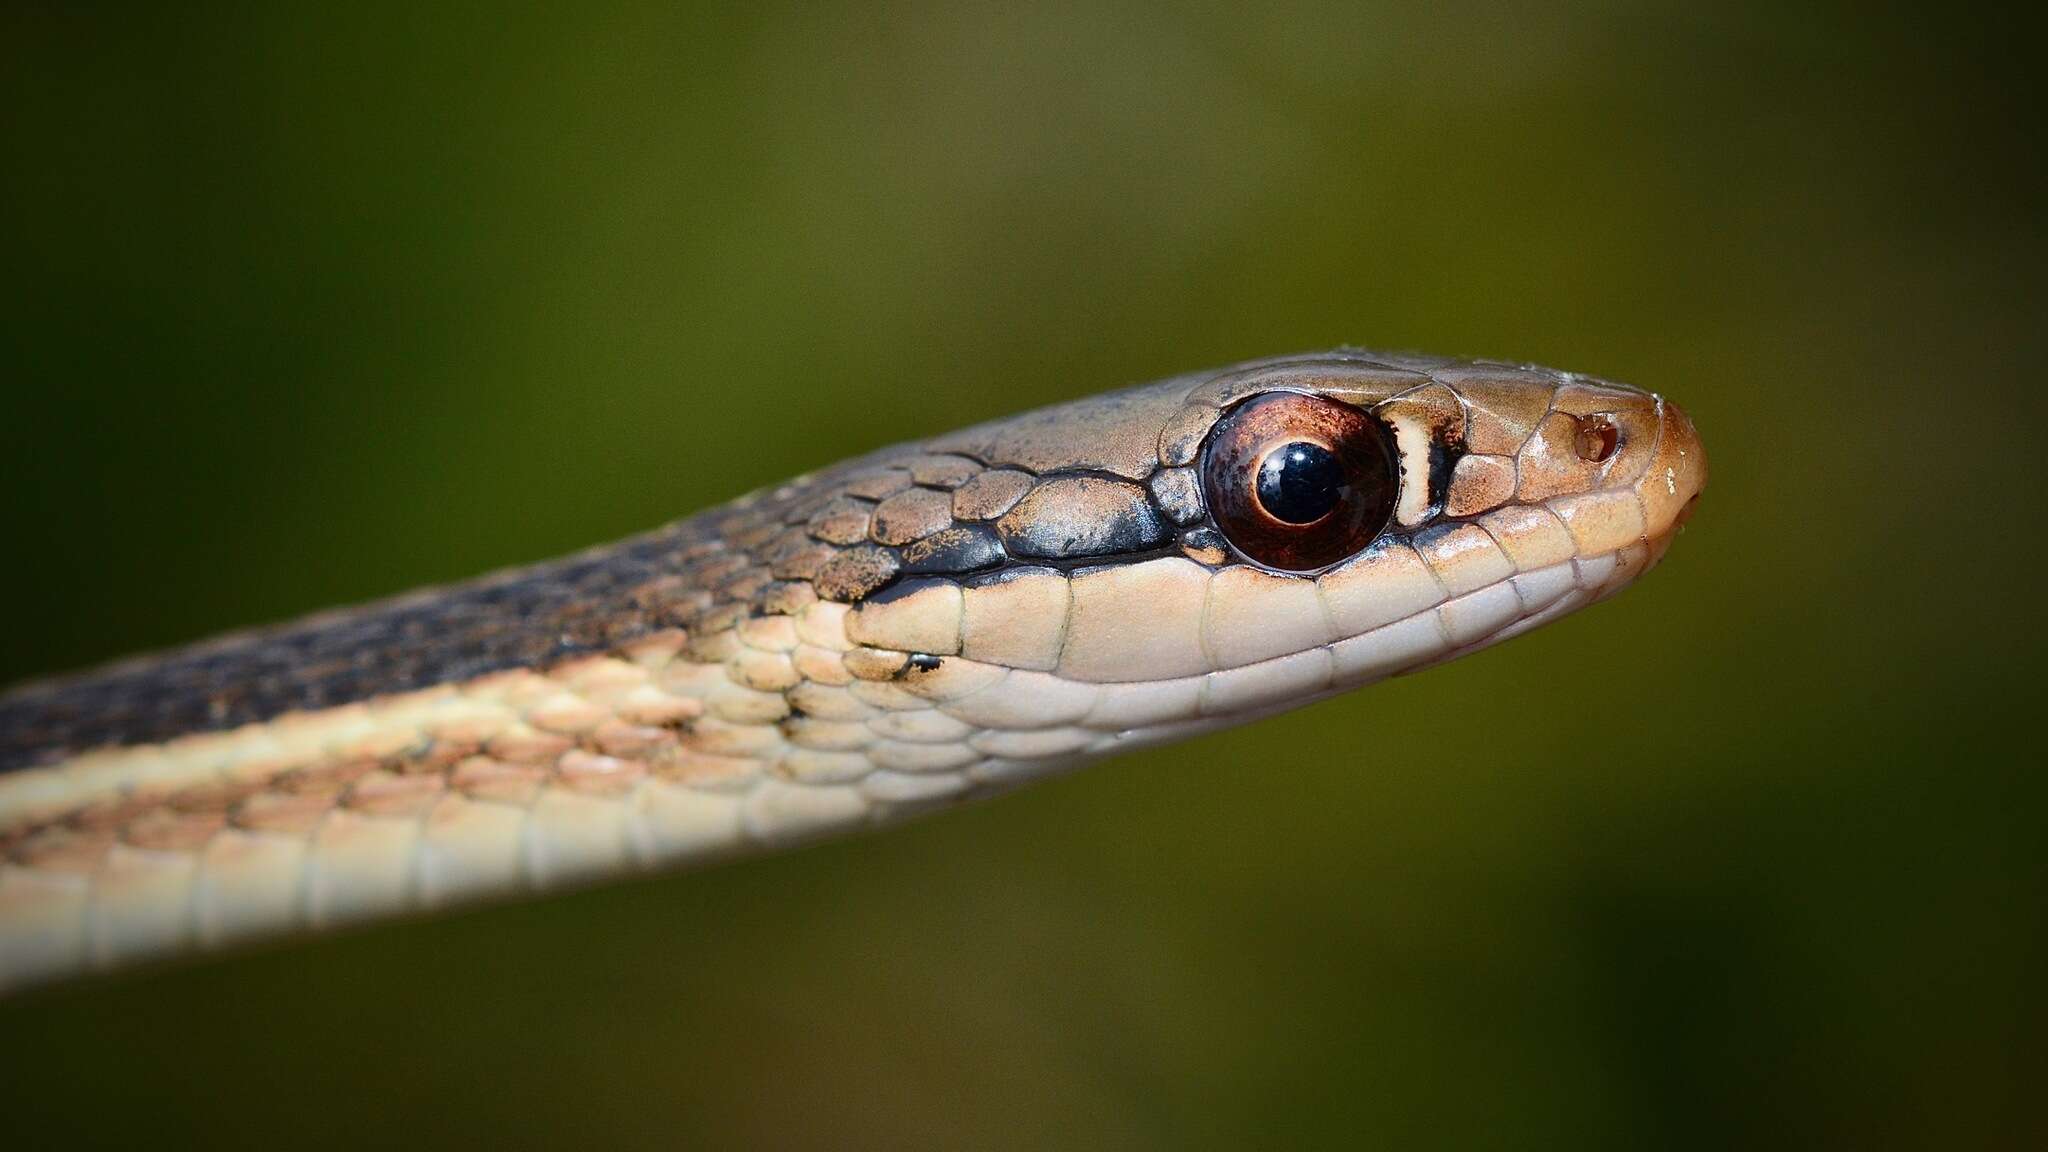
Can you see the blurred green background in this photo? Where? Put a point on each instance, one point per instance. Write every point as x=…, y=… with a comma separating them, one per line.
x=303, y=306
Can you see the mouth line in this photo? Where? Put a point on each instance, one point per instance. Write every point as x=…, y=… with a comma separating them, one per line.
x=1684, y=514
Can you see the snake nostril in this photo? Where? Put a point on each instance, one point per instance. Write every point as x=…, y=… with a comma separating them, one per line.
x=1597, y=439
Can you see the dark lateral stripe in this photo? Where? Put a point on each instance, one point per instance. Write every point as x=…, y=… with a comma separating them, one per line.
x=529, y=617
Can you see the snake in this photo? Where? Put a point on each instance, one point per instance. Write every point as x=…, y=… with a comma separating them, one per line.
x=923, y=625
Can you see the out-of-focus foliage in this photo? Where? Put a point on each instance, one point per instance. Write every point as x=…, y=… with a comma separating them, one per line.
x=306, y=305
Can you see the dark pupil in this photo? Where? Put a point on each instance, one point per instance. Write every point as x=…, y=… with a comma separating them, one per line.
x=1299, y=483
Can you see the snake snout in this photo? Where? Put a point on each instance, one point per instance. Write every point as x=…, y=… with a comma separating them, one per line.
x=1671, y=485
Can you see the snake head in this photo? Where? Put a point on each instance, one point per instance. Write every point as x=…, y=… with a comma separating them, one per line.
x=1249, y=539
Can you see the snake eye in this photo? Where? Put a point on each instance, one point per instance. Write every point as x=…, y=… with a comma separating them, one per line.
x=1298, y=482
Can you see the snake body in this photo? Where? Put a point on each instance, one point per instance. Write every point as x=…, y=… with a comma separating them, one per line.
x=928, y=623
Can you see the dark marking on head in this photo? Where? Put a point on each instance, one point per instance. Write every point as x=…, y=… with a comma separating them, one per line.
x=903, y=590
x=1443, y=461
x=856, y=573
x=1081, y=517
x=1178, y=492
x=1205, y=546
x=1006, y=574
x=965, y=548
